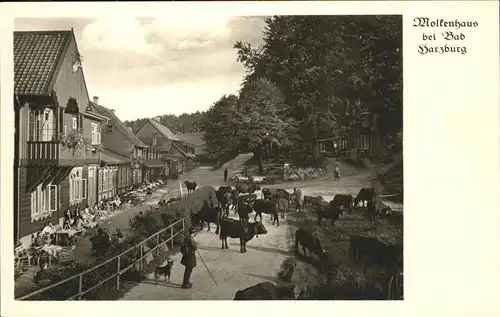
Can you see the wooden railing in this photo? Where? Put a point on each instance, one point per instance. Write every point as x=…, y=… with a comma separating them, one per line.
x=53, y=150
x=119, y=270
x=43, y=150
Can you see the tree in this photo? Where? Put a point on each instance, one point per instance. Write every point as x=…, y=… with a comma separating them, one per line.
x=332, y=69
x=221, y=126
x=261, y=109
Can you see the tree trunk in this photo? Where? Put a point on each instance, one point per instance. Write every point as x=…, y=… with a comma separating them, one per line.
x=354, y=148
x=315, y=145
x=259, y=155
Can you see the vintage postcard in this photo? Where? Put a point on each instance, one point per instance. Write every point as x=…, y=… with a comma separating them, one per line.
x=281, y=151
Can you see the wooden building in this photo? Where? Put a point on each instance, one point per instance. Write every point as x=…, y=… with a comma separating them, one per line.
x=194, y=143
x=170, y=147
x=369, y=142
x=119, y=139
x=114, y=175
x=56, y=133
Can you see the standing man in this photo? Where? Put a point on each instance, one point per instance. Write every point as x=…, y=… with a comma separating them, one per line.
x=188, y=250
x=225, y=174
x=298, y=199
x=337, y=172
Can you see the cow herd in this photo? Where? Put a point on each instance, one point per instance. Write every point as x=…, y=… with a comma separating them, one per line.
x=245, y=202
x=274, y=202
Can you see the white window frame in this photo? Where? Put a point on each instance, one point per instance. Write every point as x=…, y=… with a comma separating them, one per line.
x=96, y=134
x=41, y=125
x=91, y=184
x=44, y=202
x=74, y=123
x=77, y=186
x=364, y=142
x=105, y=182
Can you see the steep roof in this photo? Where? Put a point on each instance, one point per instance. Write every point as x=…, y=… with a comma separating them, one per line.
x=194, y=138
x=164, y=131
x=118, y=124
x=37, y=57
x=112, y=158
x=180, y=149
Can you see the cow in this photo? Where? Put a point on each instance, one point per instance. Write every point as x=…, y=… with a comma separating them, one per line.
x=313, y=200
x=250, y=189
x=243, y=209
x=344, y=201
x=276, y=193
x=234, y=197
x=267, y=291
x=328, y=211
x=236, y=229
x=208, y=214
x=261, y=291
x=191, y=186
x=282, y=207
x=365, y=194
x=247, y=198
x=310, y=242
x=267, y=207
x=223, y=197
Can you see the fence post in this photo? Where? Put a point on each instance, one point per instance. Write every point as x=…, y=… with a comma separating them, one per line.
x=140, y=261
x=80, y=286
x=157, y=245
x=118, y=274
x=172, y=236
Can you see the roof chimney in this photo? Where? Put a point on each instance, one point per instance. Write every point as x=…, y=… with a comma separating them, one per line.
x=112, y=110
x=96, y=100
x=157, y=118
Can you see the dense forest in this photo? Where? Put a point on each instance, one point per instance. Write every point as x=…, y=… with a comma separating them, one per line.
x=314, y=77
x=184, y=123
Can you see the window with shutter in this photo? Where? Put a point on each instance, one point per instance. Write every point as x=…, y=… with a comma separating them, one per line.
x=75, y=185
x=44, y=202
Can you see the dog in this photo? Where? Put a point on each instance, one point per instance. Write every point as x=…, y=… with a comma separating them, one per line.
x=164, y=270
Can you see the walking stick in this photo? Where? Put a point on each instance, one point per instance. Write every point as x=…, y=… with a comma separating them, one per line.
x=199, y=255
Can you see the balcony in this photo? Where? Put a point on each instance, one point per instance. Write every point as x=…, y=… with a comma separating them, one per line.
x=54, y=153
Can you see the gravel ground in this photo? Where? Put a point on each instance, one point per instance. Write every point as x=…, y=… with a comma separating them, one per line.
x=232, y=270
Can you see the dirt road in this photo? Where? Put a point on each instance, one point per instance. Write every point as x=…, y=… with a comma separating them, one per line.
x=231, y=269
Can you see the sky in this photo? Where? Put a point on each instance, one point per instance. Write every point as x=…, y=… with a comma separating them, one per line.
x=144, y=67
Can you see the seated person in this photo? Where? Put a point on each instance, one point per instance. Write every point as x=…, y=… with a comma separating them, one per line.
x=67, y=224
x=119, y=233
x=47, y=239
x=78, y=224
x=67, y=215
x=38, y=241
